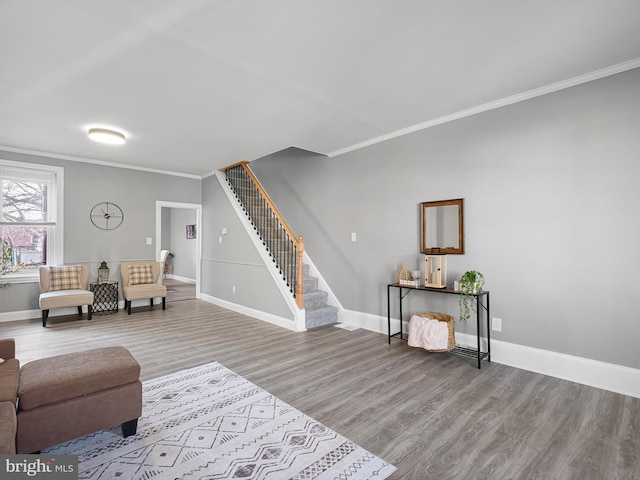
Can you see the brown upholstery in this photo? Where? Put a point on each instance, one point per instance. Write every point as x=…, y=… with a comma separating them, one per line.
x=60, y=422
x=9, y=371
x=64, y=397
x=55, y=379
x=7, y=348
x=147, y=290
x=9, y=376
x=64, y=298
x=8, y=427
x=67, y=396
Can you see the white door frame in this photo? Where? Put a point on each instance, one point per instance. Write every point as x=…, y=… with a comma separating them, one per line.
x=191, y=206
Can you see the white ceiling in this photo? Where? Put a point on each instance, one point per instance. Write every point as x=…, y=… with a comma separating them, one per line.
x=200, y=84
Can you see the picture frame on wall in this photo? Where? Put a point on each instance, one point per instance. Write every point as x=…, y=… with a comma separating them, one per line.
x=191, y=232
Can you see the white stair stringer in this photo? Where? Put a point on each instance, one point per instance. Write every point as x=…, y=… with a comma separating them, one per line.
x=298, y=314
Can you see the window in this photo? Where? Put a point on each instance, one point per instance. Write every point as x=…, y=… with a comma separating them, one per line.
x=30, y=218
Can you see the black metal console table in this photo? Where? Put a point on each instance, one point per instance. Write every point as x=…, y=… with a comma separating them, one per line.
x=458, y=350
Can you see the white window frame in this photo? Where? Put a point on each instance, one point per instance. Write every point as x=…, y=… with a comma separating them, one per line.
x=55, y=237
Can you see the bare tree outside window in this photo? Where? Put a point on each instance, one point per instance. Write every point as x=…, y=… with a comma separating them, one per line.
x=24, y=209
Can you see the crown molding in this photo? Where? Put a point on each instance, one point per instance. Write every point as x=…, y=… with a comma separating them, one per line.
x=95, y=162
x=519, y=97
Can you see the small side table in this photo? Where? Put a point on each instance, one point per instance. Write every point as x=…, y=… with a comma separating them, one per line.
x=105, y=297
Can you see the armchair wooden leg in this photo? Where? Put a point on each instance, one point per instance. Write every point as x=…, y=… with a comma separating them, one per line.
x=89, y=310
x=164, y=302
x=151, y=301
x=127, y=304
x=80, y=310
x=45, y=315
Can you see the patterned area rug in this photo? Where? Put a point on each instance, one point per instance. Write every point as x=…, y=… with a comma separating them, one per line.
x=210, y=423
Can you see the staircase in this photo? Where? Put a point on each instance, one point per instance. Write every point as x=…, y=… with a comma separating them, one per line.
x=317, y=312
x=282, y=246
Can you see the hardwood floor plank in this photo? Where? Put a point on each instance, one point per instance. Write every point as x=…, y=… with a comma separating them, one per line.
x=432, y=415
x=628, y=442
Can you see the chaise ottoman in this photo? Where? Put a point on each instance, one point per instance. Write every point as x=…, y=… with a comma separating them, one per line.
x=67, y=396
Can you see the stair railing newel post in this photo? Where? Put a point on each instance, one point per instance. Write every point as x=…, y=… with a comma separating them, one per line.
x=299, y=294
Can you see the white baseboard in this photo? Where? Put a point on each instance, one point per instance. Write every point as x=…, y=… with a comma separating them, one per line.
x=607, y=376
x=287, y=323
x=31, y=314
x=182, y=279
x=59, y=312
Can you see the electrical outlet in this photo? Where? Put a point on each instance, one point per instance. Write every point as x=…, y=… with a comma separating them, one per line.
x=149, y=240
x=233, y=290
x=353, y=237
x=496, y=324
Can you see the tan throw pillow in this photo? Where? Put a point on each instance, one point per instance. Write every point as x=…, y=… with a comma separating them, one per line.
x=140, y=274
x=64, y=278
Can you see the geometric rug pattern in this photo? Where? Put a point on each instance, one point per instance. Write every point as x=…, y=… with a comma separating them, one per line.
x=210, y=423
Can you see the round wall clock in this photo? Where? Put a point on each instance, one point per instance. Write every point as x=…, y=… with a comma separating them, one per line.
x=106, y=215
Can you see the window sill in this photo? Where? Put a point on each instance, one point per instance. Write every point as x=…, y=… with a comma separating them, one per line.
x=15, y=279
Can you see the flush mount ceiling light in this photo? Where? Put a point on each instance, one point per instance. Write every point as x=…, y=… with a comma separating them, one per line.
x=104, y=135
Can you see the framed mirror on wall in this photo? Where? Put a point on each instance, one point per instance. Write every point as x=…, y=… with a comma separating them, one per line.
x=442, y=227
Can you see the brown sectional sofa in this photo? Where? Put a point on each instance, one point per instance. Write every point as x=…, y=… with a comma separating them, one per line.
x=67, y=396
x=9, y=377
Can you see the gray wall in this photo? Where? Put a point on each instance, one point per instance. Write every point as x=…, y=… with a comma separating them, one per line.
x=183, y=263
x=550, y=217
x=551, y=196
x=87, y=184
x=235, y=261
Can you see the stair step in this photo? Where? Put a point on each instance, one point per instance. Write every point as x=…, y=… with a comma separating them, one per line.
x=309, y=284
x=315, y=299
x=319, y=317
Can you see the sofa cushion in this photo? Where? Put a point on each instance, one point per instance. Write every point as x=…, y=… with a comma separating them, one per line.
x=8, y=427
x=140, y=274
x=56, y=379
x=65, y=298
x=64, y=278
x=9, y=376
x=150, y=290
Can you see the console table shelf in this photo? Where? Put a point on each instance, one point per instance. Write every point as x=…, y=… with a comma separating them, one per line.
x=482, y=305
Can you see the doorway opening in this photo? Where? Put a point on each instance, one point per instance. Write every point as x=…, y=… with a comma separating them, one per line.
x=178, y=229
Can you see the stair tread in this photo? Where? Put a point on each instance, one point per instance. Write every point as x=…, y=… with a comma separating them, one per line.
x=323, y=309
x=315, y=293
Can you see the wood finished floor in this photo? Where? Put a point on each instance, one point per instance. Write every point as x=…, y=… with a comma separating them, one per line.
x=177, y=290
x=433, y=416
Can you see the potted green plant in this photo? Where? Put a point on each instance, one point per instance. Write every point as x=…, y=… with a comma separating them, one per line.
x=5, y=264
x=471, y=283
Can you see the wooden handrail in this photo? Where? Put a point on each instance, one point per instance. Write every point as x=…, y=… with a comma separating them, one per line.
x=297, y=241
x=234, y=165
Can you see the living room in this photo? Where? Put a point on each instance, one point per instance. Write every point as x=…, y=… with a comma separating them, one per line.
x=548, y=182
